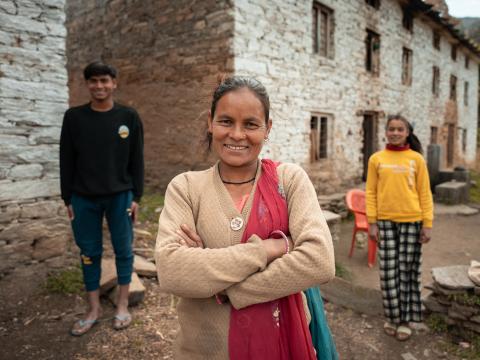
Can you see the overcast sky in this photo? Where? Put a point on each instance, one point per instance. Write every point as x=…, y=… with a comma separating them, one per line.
x=464, y=8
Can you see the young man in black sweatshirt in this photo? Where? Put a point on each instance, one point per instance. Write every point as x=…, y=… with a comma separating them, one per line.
x=101, y=174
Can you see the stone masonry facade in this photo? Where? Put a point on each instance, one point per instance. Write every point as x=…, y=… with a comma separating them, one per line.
x=33, y=97
x=170, y=53
x=274, y=43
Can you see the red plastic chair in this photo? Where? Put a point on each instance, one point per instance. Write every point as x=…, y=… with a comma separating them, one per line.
x=355, y=200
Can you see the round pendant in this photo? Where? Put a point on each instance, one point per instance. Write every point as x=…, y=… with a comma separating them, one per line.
x=236, y=223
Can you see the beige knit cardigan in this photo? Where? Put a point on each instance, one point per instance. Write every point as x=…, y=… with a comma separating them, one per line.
x=200, y=200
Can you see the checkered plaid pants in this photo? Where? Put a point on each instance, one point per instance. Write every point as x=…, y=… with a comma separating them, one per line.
x=400, y=255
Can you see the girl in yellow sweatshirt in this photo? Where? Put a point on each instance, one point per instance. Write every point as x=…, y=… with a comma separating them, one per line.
x=400, y=215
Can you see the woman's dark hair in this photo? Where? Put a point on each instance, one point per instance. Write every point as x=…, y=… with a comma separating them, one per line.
x=98, y=68
x=412, y=139
x=233, y=83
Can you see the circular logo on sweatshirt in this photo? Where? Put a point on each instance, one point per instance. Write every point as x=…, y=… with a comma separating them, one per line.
x=123, y=131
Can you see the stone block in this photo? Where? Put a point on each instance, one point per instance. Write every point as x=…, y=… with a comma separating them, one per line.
x=475, y=319
x=50, y=246
x=445, y=176
x=136, y=292
x=9, y=213
x=143, y=267
x=472, y=326
x=432, y=304
x=466, y=311
x=41, y=209
x=333, y=221
x=28, y=171
x=28, y=189
x=452, y=277
x=452, y=192
x=108, y=278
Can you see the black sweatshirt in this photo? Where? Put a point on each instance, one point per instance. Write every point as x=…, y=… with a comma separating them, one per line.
x=101, y=153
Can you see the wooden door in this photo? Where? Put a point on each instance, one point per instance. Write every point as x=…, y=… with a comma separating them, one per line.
x=370, y=139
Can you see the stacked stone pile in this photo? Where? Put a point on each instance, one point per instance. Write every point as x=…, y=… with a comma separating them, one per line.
x=455, y=297
x=334, y=203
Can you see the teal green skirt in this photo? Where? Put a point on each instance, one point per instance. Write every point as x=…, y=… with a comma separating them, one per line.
x=321, y=336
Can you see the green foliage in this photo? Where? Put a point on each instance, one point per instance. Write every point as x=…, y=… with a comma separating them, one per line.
x=437, y=323
x=465, y=299
x=151, y=200
x=68, y=281
x=475, y=190
x=342, y=272
x=470, y=353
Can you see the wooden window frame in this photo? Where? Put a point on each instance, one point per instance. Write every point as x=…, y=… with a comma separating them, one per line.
x=372, y=56
x=453, y=87
x=320, y=136
x=407, y=66
x=436, y=81
x=317, y=11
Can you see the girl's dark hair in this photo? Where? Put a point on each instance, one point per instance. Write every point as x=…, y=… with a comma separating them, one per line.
x=232, y=83
x=412, y=139
x=98, y=68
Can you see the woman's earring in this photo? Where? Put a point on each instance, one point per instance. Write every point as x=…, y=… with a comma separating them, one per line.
x=266, y=139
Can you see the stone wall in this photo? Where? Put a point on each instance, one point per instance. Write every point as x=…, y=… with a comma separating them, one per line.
x=168, y=54
x=33, y=97
x=454, y=297
x=274, y=43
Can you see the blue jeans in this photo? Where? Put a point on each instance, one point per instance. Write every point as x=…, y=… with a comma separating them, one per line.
x=87, y=230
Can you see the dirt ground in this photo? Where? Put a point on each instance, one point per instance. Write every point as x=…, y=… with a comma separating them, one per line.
x=455, y=241
x=35, y=324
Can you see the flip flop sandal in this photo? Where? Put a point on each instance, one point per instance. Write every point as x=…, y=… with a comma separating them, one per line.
x=121, y=322
x=390, y=329
x=83, y=327
x=403, y=333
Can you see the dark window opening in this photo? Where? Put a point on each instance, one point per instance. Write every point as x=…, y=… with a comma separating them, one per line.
x=433, y=135
x=467, y=62
x=464, y=140
x=436, y=81
x=454, y=52
x=465, y=93
x=407, y=66
x=436, y=40
x=453, y=87
x=372, y=60
x=407, y=19
x=374, y=3
x=319, y=137
x=322, y=30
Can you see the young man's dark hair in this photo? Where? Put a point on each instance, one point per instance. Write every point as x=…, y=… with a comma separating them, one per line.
x=98, y=68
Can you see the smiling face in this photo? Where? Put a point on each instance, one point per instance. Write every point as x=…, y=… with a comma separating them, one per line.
x=101, y=87
x=238, y=128
x=397, y=132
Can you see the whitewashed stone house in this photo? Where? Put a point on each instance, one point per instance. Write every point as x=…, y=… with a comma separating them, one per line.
x=33, y=97
x=337, y=68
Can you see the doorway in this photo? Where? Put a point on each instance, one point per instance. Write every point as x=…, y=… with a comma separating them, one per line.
x=450, y=144
x=370, y=139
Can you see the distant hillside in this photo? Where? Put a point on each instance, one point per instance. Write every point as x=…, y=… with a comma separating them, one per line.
x=471, y=26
